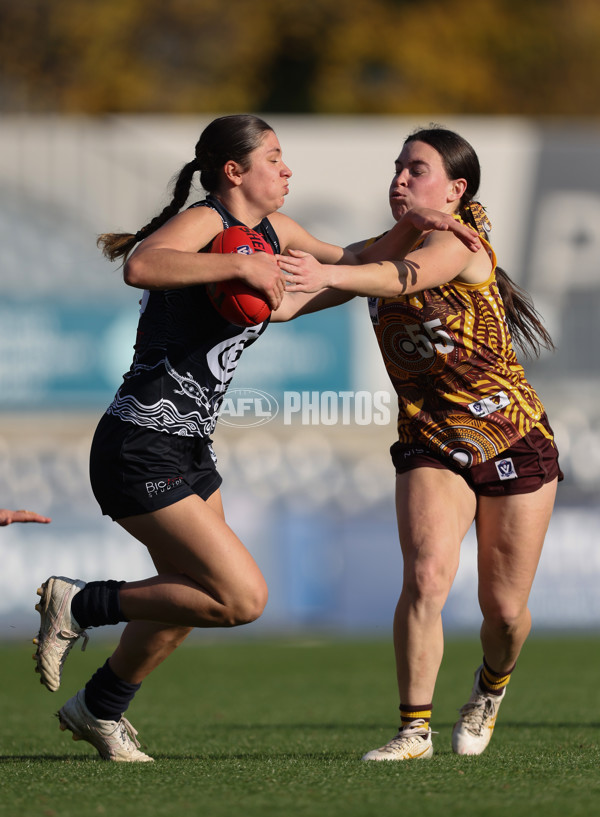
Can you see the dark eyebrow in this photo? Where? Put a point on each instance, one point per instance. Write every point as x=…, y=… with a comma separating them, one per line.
x=413, y=163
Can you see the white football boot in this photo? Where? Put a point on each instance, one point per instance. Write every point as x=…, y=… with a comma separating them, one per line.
x=473, y=731
x=411, y=743
x=58, y=629
x=114, y=740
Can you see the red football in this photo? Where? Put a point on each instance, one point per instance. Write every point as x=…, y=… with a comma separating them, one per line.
x=234, y=300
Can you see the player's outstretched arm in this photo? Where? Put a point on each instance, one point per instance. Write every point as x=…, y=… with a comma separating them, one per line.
x=399, y=241
x=441, y=259
x=387, y=267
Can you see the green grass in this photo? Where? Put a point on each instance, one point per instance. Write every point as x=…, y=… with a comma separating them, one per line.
x=261, y=729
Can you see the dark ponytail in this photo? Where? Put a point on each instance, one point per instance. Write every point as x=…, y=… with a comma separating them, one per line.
x=228, y=138
x=524, y=322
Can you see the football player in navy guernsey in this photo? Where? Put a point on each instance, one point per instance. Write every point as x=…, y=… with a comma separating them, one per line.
x=152, y=465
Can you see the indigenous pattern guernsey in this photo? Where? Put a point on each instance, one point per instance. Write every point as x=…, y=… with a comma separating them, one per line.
x=448, y=352
x=185, y=356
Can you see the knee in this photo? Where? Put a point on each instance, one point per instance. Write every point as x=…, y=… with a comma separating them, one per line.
x=246, y=607
x=427, y=582
x=503, y=616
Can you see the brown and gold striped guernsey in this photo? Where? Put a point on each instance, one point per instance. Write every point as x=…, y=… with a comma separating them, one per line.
x=448, y=352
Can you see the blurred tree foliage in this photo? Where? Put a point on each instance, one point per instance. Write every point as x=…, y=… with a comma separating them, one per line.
x=530, y=57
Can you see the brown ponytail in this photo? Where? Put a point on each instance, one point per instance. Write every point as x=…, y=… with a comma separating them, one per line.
x=524, y=322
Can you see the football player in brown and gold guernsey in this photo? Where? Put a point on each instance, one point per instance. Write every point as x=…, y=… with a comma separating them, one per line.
x=474, y=443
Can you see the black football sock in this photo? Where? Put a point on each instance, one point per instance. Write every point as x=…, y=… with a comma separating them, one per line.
x=97, y=604
x=107, y=696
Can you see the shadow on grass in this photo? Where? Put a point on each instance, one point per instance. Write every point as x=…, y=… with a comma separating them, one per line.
x=172, y=756
x=49, y=758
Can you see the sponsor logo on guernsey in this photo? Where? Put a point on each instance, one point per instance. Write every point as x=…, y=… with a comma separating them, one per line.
x=506, y=469
x=481, y=408
x=162, y=486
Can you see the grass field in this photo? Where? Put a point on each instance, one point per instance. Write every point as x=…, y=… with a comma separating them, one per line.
x=261, y=728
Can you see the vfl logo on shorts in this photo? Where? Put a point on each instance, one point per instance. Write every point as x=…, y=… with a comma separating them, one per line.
x=506, y=469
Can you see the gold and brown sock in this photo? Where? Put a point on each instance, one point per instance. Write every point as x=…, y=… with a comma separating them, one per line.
x=492, y=682
x=408, y=714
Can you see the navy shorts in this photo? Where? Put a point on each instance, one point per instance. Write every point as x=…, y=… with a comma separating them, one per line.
x=135, y=470
x=521, y=469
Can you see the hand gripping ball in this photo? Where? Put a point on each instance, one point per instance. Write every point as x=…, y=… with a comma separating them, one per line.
x=234, y=300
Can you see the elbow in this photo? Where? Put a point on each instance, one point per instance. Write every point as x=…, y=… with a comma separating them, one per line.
x=281, y=315
x=351, y=258
x=134, y=272
x=286, y=311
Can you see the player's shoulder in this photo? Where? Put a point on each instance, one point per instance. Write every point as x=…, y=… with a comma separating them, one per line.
x=281, y=222
x=188, y=231
x=200, y=211
x=445, y=241
x=289, y=232
x=278, y=216
x=201, y=218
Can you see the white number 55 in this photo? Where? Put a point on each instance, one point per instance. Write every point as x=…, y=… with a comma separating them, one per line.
x=427, y=337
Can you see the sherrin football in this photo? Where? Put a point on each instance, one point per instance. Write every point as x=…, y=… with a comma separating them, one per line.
x=234, y=300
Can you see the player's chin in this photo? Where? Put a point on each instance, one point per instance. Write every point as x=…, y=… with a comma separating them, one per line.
x=398, y=208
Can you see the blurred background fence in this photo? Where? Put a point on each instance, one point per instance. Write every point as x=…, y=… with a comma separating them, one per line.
x=311, y=495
